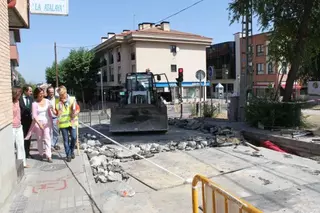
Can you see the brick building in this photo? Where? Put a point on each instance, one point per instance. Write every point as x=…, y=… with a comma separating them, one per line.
x=266, y=74
x=13, y=14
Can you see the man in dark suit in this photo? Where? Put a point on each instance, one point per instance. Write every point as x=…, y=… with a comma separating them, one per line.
x=26, y=116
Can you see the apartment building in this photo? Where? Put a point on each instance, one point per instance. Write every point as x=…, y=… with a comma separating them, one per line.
x=266, y=74
x=222, y=58
x=13, y=14
x=155, y=47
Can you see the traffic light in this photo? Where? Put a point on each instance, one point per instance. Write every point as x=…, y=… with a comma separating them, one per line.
x=180, y=77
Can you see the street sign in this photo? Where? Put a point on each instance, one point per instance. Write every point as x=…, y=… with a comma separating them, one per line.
x=49, y=7
x=200, y=75
x=210, y=72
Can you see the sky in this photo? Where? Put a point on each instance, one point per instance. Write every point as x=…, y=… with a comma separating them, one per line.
x=89, y=20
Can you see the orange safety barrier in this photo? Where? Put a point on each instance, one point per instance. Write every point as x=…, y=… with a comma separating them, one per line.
x=217, y=200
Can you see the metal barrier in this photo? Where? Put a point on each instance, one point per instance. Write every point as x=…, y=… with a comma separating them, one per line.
x=85, y=116
x=217, y=200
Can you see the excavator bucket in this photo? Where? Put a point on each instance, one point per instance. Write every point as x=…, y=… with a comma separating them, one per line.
x=139, y=118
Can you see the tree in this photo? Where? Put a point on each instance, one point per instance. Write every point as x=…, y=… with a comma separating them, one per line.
x=311, y=71
x=80, y=72
x=51, y=73
x=21, y=80
x=294, y=31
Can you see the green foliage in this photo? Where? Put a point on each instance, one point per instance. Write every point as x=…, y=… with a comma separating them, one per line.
x=51, y=73
x=207, y=110
x=78, y=72
x=310, y=71
x=21, y=80
x=294, y=31
x=273, y=113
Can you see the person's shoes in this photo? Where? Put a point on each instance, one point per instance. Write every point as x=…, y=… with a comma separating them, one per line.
x=57, y=147
x=73, y=156
x=68, y=159
x=50, y=160
x=30, y=156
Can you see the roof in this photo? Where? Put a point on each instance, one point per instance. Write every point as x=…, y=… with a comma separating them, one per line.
x=155, y=30
x=154, y=33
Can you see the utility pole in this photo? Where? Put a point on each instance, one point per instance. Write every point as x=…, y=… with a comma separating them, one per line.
x=56, y=64
x=246, y=79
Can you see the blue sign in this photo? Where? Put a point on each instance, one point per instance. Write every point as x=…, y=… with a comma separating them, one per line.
x=184, y=84
x=210, y=71
x=49, y=7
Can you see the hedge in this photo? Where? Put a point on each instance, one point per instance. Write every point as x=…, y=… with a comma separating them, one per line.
x=273, y=113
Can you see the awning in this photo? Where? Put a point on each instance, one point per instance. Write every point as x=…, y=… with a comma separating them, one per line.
x=295, y=86
x=263, y=85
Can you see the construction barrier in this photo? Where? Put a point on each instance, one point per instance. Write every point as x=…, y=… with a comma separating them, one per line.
x=217, y=200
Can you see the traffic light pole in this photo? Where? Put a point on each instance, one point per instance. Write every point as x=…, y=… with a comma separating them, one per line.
x=179, y=84
x=180, y=100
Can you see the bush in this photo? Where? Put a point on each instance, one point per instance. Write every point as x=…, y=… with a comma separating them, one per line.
x=207, y=110
x=273, y=113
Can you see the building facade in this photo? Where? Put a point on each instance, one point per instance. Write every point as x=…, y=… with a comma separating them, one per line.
x=154, y=47
x=266, y=74
x=222, y=58
x=14, y=55
x=13, y=14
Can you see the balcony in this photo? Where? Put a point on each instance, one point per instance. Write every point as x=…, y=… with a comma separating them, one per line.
x=14, y=54
x=18, y=13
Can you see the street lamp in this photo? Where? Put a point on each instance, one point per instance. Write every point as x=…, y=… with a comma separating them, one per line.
x=101, y=85
x=226, y=72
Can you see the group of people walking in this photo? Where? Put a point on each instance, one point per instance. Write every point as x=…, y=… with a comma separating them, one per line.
x=42, y=114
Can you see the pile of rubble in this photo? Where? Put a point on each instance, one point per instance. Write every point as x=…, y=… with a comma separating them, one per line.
x=198, y=124
x=105, y=159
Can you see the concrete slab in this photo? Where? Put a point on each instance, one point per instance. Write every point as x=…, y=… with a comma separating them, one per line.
x=221, y=161
x=179, y=163
x=176, y=199
x=297, y=199
x=138, y=203
x=252, y=181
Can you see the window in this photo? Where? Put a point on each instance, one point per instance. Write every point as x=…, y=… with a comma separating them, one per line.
x=173, y=68
x=173, y=48
x=112, y=75
x=133, y=56
x=260, y=92
x=105, y=77
x=119, y=57
x=119, y=75
x=111, y=58
x=260, y=69
x=259, y=50
x=270, y=68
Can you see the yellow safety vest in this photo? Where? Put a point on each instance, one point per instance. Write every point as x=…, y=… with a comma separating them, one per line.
x=64, y=119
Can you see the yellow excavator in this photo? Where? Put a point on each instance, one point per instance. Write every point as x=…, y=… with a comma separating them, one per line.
x=141, y=107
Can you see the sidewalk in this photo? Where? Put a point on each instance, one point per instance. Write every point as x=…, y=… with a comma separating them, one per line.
x=51, y=187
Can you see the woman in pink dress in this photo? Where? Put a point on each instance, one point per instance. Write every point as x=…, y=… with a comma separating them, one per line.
x=42, y=123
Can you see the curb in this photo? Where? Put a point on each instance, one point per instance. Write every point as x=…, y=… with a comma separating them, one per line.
x=90, y=180
x=302, y=147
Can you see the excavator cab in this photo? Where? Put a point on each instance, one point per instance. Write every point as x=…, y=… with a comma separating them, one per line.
x=141, y=108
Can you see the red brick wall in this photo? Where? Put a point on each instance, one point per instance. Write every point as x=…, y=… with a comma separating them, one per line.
x=5, y=73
